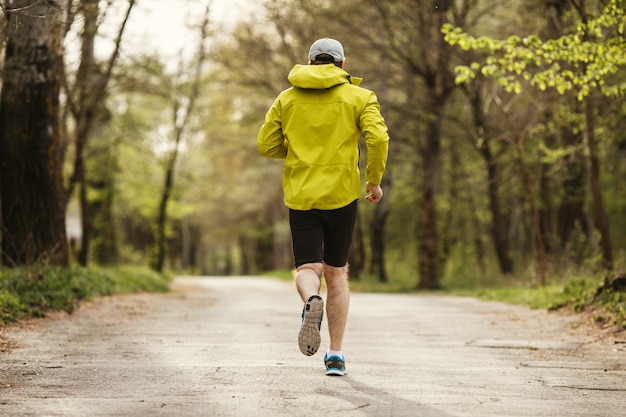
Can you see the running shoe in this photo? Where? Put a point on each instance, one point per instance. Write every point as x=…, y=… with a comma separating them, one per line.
x=335, y=365
x=309, y=338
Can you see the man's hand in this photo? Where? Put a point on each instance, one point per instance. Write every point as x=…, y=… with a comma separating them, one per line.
x=373, y=192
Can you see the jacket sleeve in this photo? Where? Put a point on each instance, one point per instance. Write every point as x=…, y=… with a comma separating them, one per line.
x=376, y=140
x=270, y=140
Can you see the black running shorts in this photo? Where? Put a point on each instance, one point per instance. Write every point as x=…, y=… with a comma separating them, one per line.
x=322, y=235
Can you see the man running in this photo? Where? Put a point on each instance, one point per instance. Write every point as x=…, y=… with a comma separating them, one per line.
x=315, y=126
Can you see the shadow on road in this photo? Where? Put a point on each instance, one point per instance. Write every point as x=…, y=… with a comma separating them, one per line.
x=377, y=402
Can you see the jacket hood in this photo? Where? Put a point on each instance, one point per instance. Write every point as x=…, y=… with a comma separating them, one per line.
x=320, y=77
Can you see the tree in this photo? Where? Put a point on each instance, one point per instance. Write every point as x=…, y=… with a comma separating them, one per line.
x=409, y=35
x=182, y=110
x=85, y=102
x=3, y=27
x=483, y=138
x=31, y=177
x=583, y=62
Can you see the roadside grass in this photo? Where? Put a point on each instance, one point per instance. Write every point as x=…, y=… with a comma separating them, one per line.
x=580, y=295
x=281, y=274
x=34, y=291
x=580, y=290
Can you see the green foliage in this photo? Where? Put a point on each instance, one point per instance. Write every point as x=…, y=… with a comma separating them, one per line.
x=131, y=279
x=581, y=61
x=34, y=291
x=535, y=297
x=615, y=303
x=281, y=274
x=575, y=292
x=463, y=272
x=10, y=307
x=578, y=294
x=396, y=284
x=612, y=295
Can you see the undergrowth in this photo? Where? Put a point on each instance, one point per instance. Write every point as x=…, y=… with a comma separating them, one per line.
x=579, y=291
x=33, y=291
x=577, y=294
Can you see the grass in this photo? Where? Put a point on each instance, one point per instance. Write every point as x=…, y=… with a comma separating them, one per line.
x=574, y=292
x=579, y=291
x=33, y=291
x=281, y=274
x=579, y=295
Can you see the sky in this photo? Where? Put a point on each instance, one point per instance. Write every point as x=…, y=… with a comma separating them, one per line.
x=162, y=26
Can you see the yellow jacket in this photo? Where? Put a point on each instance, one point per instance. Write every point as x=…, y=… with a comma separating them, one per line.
x=315, y=126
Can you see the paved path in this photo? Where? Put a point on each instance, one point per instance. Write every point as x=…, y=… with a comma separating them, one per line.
x=227, y=347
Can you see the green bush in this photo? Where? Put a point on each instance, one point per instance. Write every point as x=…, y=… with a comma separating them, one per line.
x=131, y=279
x=614, y=301
x=10, y=307
x=32, y=291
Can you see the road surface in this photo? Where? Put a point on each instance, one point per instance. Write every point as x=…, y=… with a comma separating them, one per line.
x=227, y=347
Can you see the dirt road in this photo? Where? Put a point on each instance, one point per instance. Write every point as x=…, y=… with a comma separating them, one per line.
x=227, y=347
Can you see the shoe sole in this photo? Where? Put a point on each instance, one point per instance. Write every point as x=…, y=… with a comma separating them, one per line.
x=309, y=338
x=335, y=372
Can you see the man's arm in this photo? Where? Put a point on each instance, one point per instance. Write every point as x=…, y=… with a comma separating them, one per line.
x=377, y=143
x=270, y=140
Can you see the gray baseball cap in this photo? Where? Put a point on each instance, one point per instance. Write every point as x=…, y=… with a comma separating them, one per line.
x=328, y=46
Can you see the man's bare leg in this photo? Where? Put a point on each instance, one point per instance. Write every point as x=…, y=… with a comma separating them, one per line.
x=337, y=303
x=308, y=285
x=308, y=280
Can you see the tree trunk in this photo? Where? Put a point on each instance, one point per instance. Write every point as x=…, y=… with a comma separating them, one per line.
x=499, y=228
x=245, y=263
x=428, y=246
x=264, y=249
x=87, y=76
x=571, y=209
x=356, y=256
x=31, y=188
x=85, y=100
x=179, y=123
x=160, y=238
x=382, y=209
x=594, y=178
x=86, y=222
x=539, y=241
x=104, y=248
x=377, y=227
x=438, y=82
x=185, y=237
x=546, y=210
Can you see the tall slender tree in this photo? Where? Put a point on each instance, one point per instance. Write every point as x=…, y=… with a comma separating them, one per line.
x=85, y=101
x=411, y=40
x=184, y=103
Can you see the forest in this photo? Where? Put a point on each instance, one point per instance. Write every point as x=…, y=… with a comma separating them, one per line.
x=507, y=121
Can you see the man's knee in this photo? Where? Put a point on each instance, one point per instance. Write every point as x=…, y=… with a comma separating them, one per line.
x=333, y=273
x=315, y=267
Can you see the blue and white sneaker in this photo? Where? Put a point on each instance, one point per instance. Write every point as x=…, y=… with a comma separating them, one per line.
x=335, y=365
x=309, y=338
